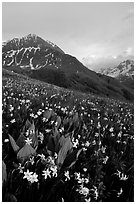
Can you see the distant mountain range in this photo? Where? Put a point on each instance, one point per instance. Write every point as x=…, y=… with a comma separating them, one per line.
x=124, y=72
x=45, y=61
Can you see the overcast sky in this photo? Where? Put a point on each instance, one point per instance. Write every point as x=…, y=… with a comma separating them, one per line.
x=92, y=32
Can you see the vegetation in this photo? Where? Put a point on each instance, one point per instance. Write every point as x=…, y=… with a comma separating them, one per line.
x=60, y=145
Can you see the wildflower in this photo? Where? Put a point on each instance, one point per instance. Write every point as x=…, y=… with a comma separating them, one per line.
x=27, y=174
x=84, y=169
x=46, y=173
x=54, y=170
x=42, y=156
x=95, y=192
x=103, y=149
x=87, y=144
x=87, y=199
x=48, y=130
x=6, y=140
x=32, y=115
x=86, y=180
x=105, y=160
x=120, y=192
x=93, y=142
x=33, y=178
x=13, y=121
x=123, y=177
x=77, y=175
x=44, y=119
x=32, y=160
x=27, y=133
x=96, y=134
x=67, y=175
x=84, y=190
x=28, y=141
x=20, y=168
x=75, y=143
x=111, y=129
x=55, y=155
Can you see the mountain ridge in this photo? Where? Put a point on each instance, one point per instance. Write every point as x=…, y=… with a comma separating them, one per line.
x=45, y=61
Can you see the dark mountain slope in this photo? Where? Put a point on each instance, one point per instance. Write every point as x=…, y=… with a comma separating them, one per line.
x=42, y=60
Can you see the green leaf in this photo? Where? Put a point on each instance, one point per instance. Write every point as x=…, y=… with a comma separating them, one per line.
x=67, y=146
x=4, y=172
x=21, y=140
x=26, y=126
x=26, y=152
x=58, y=121
x=47, y=114
x=72, y=158
x=13, y=144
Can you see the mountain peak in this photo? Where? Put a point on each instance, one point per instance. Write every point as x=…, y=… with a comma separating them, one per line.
x=30, y=40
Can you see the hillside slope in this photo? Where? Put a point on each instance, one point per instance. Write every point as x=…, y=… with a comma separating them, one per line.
x=42, y=60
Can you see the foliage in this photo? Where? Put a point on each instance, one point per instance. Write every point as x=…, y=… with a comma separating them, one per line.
x=59, y=145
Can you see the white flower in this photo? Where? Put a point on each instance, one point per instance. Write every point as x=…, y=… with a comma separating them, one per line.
x=44, y=119
x=42, y=156
x=46, y=173
x=20, y=168
x=48, y=130
x=87, y=199
x=28, y=141
x=32, y=115
x=67, y=175
x=13, y=121
x=77, y=175
x=75, y=143
x=27, y=174
x=54, y=170
x=32, y=160
x=111, y=129
x=87, y=143
x=86, y=180
x=84, y=191
x=105, y=160
x=123, y=177
x=33, y=178
x=6, y=140
x=120, y=192
x=55, y=155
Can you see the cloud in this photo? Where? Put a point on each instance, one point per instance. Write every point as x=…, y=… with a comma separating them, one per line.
x=96, y=63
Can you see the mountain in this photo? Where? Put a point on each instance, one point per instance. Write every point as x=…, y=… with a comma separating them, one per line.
x=124, y=72
x=45, y=61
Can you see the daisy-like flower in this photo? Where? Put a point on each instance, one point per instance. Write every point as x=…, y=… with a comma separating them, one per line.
x=87, y=143
x=13, y=121
x=32, y=160
x=28, y=141
x=87, y=199
x=20, y=168
x=105, y=160
x=32, y=115
x=42, y=156
x=120, y=192
x=33, y=178
x=111, y=129
x=44, y=119
x=27, y=174
x=77, y=175
x=46, y=173
x=67, y=175
x=83, y=190
x=6, y=140
x=54, y=170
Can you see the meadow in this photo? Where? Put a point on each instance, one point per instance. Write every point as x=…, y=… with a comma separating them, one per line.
x=64, y=146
